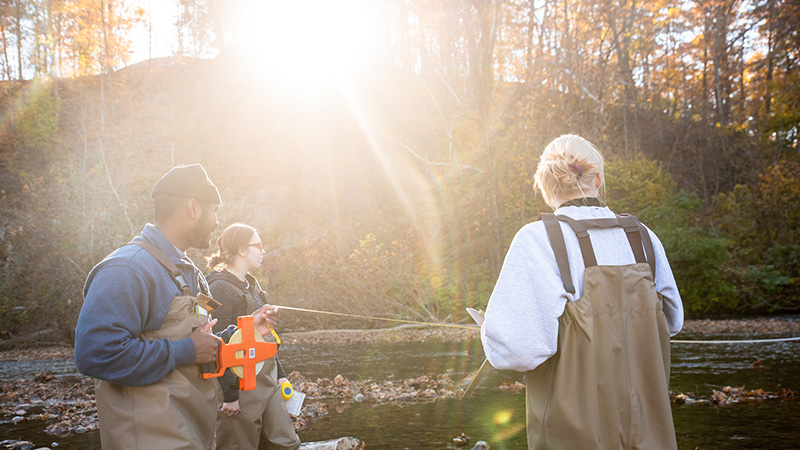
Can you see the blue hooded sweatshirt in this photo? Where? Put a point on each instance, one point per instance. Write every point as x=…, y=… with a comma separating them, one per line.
x=128, y=293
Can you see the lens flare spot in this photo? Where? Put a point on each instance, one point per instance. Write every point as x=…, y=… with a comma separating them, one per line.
x=503, y=417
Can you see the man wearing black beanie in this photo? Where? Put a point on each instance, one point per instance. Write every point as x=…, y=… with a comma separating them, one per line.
x=143, y=330
x=170, y=195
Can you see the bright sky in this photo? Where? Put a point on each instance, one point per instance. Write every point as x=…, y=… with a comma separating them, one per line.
x=163, y=15
x=294, y=40
x=303, y=42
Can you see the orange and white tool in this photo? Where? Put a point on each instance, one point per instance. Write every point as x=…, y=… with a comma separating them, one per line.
x=244, y=354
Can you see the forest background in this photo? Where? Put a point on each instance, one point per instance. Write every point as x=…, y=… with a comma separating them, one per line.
x=390, y=180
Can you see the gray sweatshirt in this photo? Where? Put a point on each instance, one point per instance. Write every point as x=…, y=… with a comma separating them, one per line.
x=521, y=328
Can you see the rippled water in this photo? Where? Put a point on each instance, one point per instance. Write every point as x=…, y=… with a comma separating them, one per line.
x=498, y=416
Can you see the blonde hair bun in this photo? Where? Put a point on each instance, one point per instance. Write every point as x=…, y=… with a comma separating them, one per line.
x=567, y=168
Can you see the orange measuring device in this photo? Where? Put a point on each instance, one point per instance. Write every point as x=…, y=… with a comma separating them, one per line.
x=244, y=354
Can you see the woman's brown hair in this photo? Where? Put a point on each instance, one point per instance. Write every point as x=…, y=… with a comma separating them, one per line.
x=235, y=238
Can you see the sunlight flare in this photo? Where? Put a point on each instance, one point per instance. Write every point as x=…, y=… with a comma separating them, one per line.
x=307, y=42
x=503, y=417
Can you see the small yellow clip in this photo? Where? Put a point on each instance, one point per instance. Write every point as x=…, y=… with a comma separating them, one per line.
x=277, y=339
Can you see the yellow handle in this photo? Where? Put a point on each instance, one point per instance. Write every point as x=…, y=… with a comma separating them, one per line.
x=272, y=330
x=286, y=390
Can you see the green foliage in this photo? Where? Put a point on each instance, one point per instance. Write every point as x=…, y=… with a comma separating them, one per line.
x=762, y=225
x=12, y=316
x=37, y=123
x=641, y=187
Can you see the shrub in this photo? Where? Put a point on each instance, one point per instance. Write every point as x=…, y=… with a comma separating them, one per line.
x=762, y=226
x=642, y=187
x=37, y=125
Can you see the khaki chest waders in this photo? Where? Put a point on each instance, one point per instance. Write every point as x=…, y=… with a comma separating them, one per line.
x=607, y=385
x=176, y=412
x=262, y=411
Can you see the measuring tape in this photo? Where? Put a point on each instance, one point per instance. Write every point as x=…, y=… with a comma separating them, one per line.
x=244, y=354
x=743, y=341
x=474, y=327
x=358, y=316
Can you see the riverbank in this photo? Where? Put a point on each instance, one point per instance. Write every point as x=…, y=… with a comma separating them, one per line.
x=58, y=401
x=765, y=327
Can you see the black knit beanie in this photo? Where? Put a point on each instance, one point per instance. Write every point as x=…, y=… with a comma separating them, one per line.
x=187, y=182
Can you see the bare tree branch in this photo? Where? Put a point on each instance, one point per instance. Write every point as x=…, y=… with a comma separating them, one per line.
x=417, y=155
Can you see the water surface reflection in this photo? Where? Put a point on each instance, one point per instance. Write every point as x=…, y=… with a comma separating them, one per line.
x=498, y=416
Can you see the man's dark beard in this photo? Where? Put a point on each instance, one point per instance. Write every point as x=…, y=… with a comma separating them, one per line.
x=201, y=230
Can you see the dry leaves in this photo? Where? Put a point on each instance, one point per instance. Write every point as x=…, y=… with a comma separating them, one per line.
x=423, y=388
x=46, y=398
x=742, y=326
x=733, y=395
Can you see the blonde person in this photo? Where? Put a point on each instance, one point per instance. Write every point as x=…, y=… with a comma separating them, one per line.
x=585, y=305
x=258, y=418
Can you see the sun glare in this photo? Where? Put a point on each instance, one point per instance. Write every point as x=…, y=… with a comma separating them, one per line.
x=503, y=417
x=307, y=42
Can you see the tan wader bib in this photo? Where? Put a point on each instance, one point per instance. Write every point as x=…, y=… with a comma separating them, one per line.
x=177, y=412
x=262, y=411
x=607, y=385
x=262, y=417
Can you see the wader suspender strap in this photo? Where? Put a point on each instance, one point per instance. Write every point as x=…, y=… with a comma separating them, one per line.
x=559, y=249
x=648, y=246
x=581, y=229
x=257, y=291
x=173, y=270
x=638, y=238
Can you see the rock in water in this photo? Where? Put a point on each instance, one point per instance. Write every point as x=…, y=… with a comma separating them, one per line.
x=481, y=445
x=344, y=443
x=17, y=445
x=461, y=441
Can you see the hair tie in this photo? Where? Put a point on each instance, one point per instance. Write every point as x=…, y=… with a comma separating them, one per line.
x=577, y=169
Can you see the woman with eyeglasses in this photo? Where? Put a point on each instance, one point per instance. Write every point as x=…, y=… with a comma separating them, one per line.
x=258, y=418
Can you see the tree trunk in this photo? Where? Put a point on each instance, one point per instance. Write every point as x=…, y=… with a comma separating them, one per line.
x=5, y=50
x=487, y=13
x=106, y=69
x=770, y=62
x=32, y=337
x=626, y=72
x=18, y=19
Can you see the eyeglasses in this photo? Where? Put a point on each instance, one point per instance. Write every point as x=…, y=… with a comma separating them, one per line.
x=260, y=245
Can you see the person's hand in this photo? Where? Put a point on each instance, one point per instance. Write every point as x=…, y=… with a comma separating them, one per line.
x=230, y=409
x=265, y=317
x=205, y=343
x=283, y=380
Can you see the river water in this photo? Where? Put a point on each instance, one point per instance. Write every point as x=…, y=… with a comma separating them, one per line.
x=498, y=416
